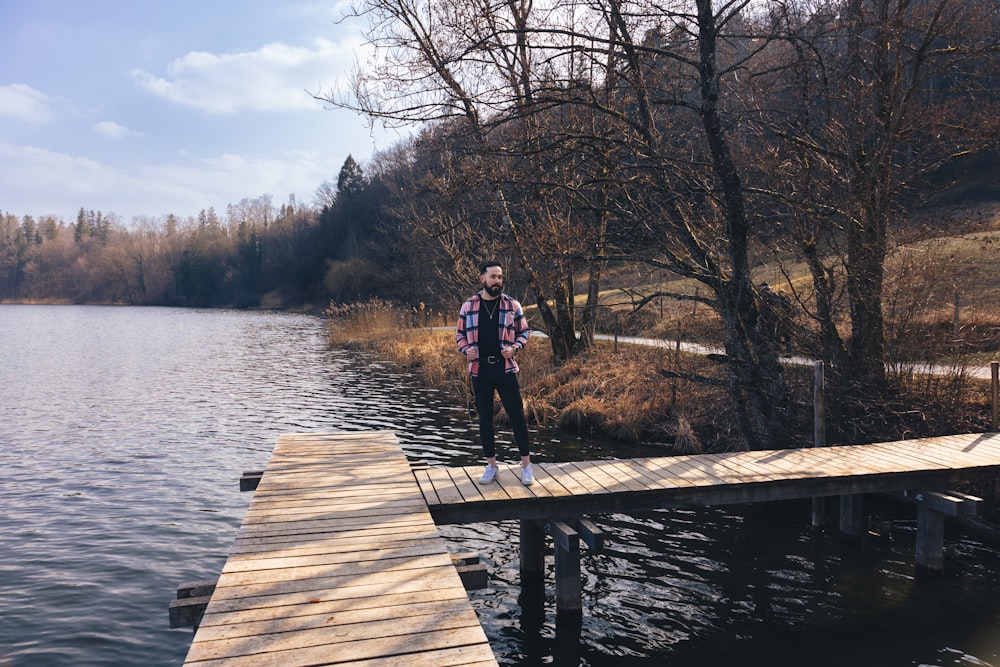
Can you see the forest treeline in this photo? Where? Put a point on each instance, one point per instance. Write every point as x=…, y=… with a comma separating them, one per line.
x=255, y=253
x=698, y=137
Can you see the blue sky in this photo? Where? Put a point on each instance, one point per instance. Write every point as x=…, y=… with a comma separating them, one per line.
x=142, y=107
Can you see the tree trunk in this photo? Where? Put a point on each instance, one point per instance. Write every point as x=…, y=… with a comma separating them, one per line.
x=559, y=325
x=865, y=276
x=588, y=325
x=756, y=383
x=833, y=352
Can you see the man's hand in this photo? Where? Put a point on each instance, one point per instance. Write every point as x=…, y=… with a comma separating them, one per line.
x=508, y=352
x=472, y=353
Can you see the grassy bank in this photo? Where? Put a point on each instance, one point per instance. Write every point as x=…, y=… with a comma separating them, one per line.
x=618, y=392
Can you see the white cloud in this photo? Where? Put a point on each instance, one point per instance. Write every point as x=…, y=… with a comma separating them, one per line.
x=276, y=77
x=41, y=182
x=113, y=130
x=23, y=102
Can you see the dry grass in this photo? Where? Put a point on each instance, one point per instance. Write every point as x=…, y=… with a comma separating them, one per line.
x=940, y=298
x=619, y=395
x=940, y=305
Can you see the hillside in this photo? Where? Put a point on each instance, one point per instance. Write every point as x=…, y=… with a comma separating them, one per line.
x=942, y=287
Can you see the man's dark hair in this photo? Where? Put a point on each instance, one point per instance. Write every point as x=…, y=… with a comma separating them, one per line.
x=485, y=266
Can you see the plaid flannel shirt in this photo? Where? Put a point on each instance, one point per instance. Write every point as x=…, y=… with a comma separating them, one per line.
x=513, y=329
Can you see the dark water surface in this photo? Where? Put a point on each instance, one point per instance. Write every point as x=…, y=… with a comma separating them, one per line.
x=123, y=433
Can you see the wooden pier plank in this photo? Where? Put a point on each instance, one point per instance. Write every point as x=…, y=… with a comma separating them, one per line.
x=702, y=471
x=573, y=470
x=471, y=490
x=554, y=487
x=338, y=561
x=359, y=507
x=297, y=594
x=385, y=534
x=731, y=477
x=309, y=632
x=444, y=486
x=561, y=472
x=509, y=479
x=366, y=648
x=347, y=615
x=665, y=471
x=300, y=549
x=233, y=621
x=947, y=451
x=427, y=487
x=491, y=491
x=611, y=477
x=636, y=472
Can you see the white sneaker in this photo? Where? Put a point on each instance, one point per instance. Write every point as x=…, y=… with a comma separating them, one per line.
x=527, y=477
x=489, y=474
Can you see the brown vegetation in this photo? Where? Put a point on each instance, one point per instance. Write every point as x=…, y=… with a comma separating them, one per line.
x=622, y=394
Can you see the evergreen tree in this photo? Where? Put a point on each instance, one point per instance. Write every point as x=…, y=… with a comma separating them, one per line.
x=81, y=231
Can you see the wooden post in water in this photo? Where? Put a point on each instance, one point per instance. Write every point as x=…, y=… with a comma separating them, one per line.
x=532, y=553
x=569, y=587
x=567, y=536
x=819, y=436
x=930, y=538
x=995, y=374
x=852, y=515
x=932, y=508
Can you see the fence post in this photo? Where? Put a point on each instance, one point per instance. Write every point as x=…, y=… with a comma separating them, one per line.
x=819, y=435
x=677, y=366
x=957, y=314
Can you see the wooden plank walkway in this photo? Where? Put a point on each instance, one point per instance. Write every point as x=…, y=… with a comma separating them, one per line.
x=629, y=485
x=338, y=562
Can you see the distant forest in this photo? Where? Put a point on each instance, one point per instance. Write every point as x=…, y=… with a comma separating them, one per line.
x=254, y=254
x=698, y=137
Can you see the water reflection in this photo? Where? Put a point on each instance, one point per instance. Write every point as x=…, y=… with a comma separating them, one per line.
x=124, y=432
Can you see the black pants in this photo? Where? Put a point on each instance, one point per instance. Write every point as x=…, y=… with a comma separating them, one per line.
x=493, y=378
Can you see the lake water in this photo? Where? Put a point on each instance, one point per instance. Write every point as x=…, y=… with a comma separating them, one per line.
x=124, y=431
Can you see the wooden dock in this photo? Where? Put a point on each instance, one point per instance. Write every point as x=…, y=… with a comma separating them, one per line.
x=632, y=485
x=338, y=562
x=565, y=493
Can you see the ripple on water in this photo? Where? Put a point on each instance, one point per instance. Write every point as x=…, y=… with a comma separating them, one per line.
x=124, y=433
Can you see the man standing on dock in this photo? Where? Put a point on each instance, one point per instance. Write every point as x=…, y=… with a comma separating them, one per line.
x=492, y=329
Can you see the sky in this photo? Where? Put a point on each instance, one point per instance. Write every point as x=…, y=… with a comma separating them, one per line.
x=152, y=107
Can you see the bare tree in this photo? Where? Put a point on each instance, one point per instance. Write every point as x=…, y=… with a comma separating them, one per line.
x=477, y=66
x=508, y=70
x=869, y=99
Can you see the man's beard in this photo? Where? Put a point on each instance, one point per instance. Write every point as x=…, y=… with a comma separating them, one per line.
x=494, y=290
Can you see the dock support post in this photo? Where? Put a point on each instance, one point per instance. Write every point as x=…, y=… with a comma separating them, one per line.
x=192, y=600
x=930, y=538
x=566, y=535
x=819, y=436
x=932, y=508
x=250, y=480
x=852, y=515
x=569, y=588
x=818, y=513
x=994, y=392
x=532, y=553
